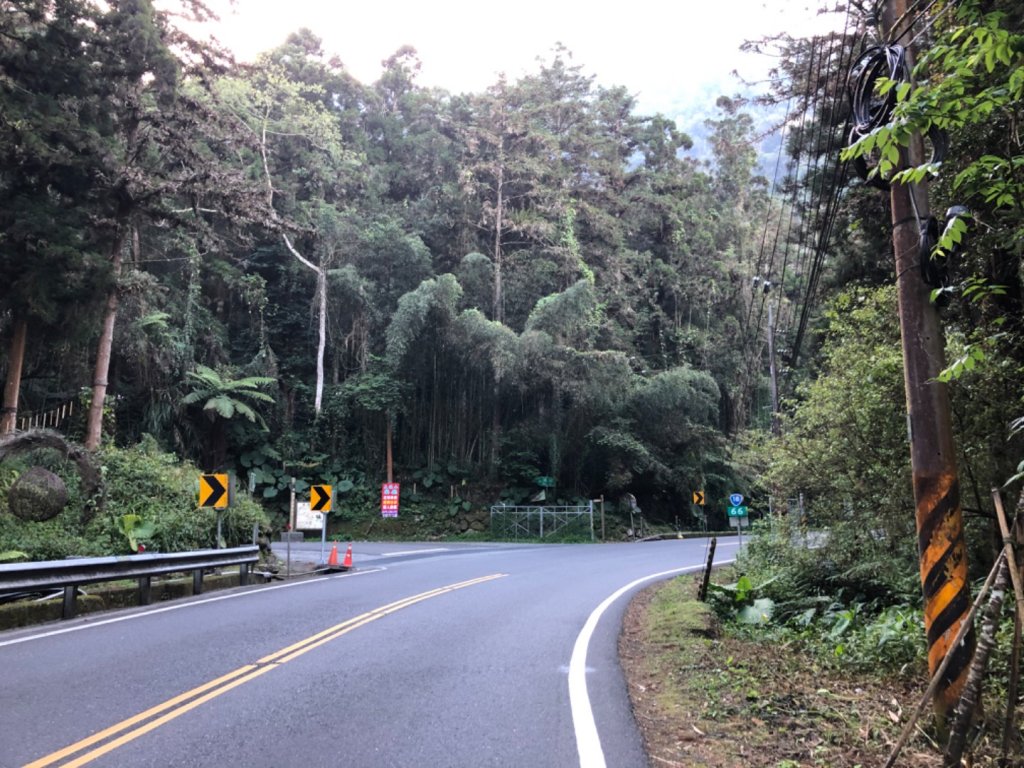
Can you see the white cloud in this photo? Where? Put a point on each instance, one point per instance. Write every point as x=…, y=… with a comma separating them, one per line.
x=664, y=52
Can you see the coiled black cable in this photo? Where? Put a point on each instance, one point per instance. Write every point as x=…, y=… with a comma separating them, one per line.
x=869, y=109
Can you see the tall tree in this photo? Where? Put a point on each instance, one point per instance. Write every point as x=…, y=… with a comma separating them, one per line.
x=303, y=164
x=144, y=140
x=47, y=261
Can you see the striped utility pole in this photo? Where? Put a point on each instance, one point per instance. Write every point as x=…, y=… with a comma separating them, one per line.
x=940, y=531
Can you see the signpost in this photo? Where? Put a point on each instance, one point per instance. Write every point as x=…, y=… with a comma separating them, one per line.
x=389, y=500
x=320, y=498
x=737, y=514
x=320, y=505
x=213, y=491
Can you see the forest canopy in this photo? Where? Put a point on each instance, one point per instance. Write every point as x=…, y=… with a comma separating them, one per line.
x=270, y=267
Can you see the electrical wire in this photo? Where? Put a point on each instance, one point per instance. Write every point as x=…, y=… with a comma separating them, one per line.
x=768, y=210
x=910, y=25
x=870, y=110
x=824, y=220
x=756, y=336
x=806, y=206
x=929, y=25
x=812, y=277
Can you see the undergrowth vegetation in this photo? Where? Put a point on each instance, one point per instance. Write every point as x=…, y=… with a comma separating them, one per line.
x=146, y=497
x=849, y=606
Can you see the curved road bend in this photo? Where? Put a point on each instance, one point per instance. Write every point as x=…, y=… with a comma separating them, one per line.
x=444, y=655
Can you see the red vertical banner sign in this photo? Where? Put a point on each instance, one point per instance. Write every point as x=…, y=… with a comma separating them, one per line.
x=389, y=500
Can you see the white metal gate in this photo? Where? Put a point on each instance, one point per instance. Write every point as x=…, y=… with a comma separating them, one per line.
x=534, y=522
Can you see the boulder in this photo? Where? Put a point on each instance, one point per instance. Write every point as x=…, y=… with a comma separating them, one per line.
x=37, y=495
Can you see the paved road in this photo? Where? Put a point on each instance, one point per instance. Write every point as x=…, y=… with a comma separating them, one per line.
x=425, y=654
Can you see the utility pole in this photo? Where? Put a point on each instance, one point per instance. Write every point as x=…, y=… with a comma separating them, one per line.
x=387, y=449
x=940, y=531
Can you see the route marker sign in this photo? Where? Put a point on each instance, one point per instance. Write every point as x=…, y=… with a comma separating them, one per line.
x=736, y=499
x=213, y=491
x=698, y=498
x=320, y=498
x=737, y=511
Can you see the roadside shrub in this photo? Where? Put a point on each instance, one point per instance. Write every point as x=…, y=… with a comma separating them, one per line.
x=163, y=491
x=153, y=491
x=803, y=569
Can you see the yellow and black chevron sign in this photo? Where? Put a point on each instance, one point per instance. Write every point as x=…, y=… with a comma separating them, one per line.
x=320, y=498
x=698, y=498
x=213, y=491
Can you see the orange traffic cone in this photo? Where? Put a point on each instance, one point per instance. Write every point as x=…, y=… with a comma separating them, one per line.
x=332, y=561
x=348, y=558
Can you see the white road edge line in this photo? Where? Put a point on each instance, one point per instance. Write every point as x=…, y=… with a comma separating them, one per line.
x=414, y=552
x=179, y=606
x=588, y=742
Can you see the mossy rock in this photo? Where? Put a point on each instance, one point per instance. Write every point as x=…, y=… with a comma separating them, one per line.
x=37, y=495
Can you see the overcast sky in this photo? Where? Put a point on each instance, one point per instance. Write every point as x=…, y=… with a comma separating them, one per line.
x=666, y=52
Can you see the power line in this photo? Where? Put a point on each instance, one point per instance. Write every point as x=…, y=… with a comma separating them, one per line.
x=826, y=221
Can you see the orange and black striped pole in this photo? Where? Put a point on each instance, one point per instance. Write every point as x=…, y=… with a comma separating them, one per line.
x=941, y=545
x=943, y=560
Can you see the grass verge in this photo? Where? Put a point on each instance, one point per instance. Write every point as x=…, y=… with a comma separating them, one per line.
x=706, y=698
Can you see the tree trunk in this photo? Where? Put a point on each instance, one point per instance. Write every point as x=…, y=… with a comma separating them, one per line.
x=15, y=363
x=966, y=707
x=321, y=275
x=321, y=290
x=499, y=299
x=387, y=449
x=495, y=426
x=1009, y=731
x=94, y=420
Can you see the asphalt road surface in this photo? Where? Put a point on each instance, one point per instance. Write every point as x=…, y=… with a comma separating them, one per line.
x=441, y=655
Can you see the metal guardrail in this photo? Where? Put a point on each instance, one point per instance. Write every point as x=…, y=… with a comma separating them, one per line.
x=73, y=573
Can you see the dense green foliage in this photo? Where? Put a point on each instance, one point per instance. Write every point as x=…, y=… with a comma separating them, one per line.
x=836, y=569
x=534, y=280
x=146, y=497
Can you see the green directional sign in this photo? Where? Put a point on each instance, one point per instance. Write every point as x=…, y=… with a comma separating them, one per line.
x=545, y=482
x=737, y=511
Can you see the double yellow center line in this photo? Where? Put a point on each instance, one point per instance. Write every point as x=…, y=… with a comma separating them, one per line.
x=144, y=722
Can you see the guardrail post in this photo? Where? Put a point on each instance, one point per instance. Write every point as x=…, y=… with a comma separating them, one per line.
x=145, y=590
x=197, y=581
x=243, y=574
x=702, y=594
x=69, y=602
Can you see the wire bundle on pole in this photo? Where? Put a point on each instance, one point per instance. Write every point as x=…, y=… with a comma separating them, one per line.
x=869, y=109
